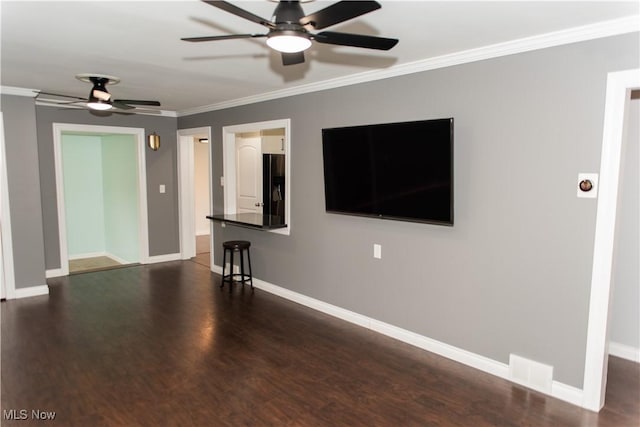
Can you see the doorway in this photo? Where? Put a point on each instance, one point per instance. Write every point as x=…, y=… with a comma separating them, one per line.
x=195, y=194
x=101, y=195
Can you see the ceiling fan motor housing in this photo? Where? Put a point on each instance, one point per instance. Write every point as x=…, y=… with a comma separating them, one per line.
x=288, y=12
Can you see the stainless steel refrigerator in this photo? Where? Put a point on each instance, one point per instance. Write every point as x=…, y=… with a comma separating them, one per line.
x=273, y=191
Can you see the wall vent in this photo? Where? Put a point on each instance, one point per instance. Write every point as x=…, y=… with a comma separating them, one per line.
x=531, y=374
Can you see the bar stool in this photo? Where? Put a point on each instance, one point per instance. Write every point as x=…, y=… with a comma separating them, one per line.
x=232, y=246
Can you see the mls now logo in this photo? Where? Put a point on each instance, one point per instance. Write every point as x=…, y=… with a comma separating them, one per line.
x=15, y=414
x=23, y=414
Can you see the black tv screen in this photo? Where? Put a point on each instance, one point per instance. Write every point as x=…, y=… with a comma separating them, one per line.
x=401, y=171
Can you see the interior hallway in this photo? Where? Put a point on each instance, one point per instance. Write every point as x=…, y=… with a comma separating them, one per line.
x=203, y=250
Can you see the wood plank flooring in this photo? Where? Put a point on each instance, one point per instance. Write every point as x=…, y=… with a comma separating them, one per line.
x=83, y=265
x=163, y=345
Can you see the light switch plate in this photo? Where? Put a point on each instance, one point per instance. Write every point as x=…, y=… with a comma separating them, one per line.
x=163, y=189
x=377, y=251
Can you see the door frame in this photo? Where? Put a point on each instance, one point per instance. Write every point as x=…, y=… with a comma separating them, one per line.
x=186, y=197
x=619, y=86
x=143, y=220
x=8, y=281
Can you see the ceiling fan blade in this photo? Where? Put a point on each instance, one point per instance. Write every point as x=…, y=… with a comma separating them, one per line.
x=61, y=95
x=356, y=40
x=338, y=12
x=292, y=58
x=137, y=102
x=121, y=105
x=235, y=10
x=130, y=104
x=228, y=37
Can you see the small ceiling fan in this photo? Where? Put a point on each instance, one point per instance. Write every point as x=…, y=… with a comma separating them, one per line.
x=289, y=28
x=99, y=98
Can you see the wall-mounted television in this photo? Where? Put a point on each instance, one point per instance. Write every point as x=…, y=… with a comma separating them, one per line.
x=400, y=171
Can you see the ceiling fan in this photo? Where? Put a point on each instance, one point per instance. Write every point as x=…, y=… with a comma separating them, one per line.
x=99, y=98
x=289, y=28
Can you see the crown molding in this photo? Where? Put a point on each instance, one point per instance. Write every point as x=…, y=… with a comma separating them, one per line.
x=18, y=91
x=598, y=30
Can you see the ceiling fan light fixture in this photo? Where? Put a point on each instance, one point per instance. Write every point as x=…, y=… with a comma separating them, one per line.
x=99, y=104
x=289, y=41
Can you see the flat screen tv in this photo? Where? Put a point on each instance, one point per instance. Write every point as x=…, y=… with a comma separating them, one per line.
x=400, y=171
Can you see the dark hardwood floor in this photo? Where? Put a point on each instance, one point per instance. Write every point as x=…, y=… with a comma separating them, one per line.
x=163, y=345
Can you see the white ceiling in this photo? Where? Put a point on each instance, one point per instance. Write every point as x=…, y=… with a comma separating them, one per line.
x=45, y=44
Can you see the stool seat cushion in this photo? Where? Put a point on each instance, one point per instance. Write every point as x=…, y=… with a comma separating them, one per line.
x=236, y=244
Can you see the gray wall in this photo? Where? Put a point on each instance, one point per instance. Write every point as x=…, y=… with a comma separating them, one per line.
x=625, y=311
x=161, y=169
x=24, y=190
x=513, y=274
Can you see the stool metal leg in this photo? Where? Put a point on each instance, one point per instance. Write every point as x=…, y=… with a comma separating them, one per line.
x=231, y=270
x=250, y=272
x=242, y=279
x=224, y=265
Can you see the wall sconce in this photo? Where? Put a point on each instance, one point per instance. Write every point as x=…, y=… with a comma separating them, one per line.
x=153, y=140
x=203, y=140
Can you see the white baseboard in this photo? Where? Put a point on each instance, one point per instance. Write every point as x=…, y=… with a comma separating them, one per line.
x=54, y=272
x=624, y=351
x=117, y=258
x=163, y=258
x=32, y=291
x=559, y=390
x=99, y=254
x=87, y=255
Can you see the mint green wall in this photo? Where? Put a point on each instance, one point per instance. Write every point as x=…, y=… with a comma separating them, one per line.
x=101, y=195
x=83, y=193
x=120, y=175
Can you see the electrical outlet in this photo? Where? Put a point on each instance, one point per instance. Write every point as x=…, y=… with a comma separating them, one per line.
x=377, y=251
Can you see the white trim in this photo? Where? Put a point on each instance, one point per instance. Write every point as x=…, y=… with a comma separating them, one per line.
x=32, y=291
x=186, y=196
x=163, y=258
x=624, y=351
x=9, y=279
x=62, y=217
x=559, y=390
x=118, y=259
x=557, y=38
x=143, y=201
x=229, y=164
x=143, y=226
x=18, y=91
x=87, y=255
x=54, y=272
x=619, y=85
x=99, y=254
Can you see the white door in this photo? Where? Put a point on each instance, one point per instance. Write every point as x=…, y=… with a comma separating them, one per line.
x=249, y=175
